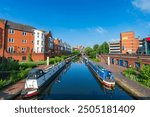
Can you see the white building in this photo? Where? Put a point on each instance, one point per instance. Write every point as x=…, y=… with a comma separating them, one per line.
x=114, y=47
x=39, y=41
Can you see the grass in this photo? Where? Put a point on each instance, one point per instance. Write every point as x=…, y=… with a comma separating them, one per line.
x=142, y=76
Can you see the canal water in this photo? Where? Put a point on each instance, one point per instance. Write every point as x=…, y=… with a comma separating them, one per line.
x=76, y=82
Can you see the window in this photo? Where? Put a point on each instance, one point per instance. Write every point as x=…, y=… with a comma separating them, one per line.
x=42, y=43
x=33, y=33
x=11, y=31
x=23, y=58
x=23, y=49
x=24, y=33
x=24, y=41
x=51, y=45
x=42, y=35
x=32, y=42
x=37, y=42
x=11, y=40
x=38, y=35
x=10, y=49
x=42, y=49
x=37, y=49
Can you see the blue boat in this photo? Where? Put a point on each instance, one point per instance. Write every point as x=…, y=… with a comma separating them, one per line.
x=104, y=76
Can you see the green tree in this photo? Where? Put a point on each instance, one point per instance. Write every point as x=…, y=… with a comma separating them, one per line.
x=75, y=52
x=103, y=48
x=95, y=47
x=88, y=50
x=92, y=54
x=29, y=58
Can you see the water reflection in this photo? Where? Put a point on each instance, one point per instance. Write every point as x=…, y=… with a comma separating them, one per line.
x=76, y=82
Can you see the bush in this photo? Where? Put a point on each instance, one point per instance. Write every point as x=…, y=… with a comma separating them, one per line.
x=9, y=64
x=95, y=60
x=29, y=58
x=27, y=65
x=130, y=71
x=2, y=83
x=145, y=72
x=52, y=60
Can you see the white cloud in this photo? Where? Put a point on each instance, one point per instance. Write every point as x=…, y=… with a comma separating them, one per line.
x=100, y=30
x=143, y=5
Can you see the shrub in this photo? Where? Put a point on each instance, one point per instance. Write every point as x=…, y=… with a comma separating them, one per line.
x=145, y=72
x=129, y=71
x=51, y=60
x=29, y=58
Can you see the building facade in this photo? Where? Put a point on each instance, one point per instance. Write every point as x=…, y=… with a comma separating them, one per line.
x=114, y=47
x=18, y=41
x=39, y=41
x=147, y=45
x=129, y=44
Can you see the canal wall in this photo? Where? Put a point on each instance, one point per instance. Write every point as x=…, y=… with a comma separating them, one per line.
x=135, y=89
x=129, y=89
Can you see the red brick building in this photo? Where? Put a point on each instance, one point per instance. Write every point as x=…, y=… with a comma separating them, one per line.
x=57, y=47
x=19, y=41
x=129, y=44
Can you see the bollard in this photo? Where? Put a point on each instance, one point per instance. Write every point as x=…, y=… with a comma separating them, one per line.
x=47, y=61
x=108, y=60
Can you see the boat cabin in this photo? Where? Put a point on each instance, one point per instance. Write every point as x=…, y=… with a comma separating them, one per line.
x=35, y=74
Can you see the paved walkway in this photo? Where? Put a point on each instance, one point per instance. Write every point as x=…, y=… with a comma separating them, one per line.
x=133, y=87
x=14, y=90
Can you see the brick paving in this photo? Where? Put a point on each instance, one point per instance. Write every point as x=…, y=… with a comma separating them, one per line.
x=133, y=87
x=12, y=91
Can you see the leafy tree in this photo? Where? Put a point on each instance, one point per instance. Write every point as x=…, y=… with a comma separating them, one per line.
x=75, y=52
x=104, y=49
x=29, y=58
x=92, y=54
x=95, y=47
x=88, y=50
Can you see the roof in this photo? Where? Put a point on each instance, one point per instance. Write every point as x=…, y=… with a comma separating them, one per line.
x=34, y=70
x=18, y=26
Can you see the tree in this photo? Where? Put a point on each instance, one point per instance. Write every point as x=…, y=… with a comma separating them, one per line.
x=92, y=54
x=99, y=49
x=75, y=52
x=95, y=47
x=29, y=58
x=104, y=48
x=88, y=50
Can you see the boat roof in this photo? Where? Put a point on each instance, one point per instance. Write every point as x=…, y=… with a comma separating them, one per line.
x=35, y=70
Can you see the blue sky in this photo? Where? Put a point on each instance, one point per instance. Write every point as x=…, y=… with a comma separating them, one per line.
x=81, y=22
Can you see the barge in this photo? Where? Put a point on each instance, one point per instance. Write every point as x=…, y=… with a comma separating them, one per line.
x=103, y=75
x=37, y=79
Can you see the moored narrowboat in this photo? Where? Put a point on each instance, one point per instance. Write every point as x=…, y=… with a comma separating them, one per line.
x=103, y=75
x=37, y=79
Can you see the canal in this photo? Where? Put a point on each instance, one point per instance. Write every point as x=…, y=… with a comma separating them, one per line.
x=76, y=82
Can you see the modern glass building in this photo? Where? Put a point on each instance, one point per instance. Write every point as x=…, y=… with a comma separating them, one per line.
x=147, y=45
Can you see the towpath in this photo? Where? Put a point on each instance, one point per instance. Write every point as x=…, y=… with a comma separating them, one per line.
x=134, y=88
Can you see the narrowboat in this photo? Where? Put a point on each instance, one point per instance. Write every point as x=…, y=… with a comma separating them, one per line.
x=37, y=79
x=103, y=75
